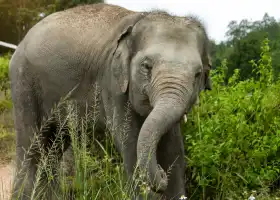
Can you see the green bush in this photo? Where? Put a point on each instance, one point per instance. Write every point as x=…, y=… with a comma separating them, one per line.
x=5, y=97
x=232, y=139
x=7, y=139
x=4, y=71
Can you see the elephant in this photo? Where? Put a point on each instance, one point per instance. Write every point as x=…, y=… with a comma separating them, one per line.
x=155, y=62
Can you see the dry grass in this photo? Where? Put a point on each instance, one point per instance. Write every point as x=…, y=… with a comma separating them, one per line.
x=7, y=146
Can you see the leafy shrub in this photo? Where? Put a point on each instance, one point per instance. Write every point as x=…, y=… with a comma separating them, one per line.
x=232, y=139
x=4, y=71
x=7, y=139
x=5, y=97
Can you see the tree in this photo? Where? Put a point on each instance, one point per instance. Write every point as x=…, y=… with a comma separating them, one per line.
x=243, y=42
x=18, y=16
x=64, y=4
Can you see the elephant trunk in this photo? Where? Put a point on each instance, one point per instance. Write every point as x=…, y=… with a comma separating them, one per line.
x=169, y=100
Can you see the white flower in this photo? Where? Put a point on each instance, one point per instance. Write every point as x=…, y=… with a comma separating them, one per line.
x=251, y=197
x=183, y=197
x=42, y=14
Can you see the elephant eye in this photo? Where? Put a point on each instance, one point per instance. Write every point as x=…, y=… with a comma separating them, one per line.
x=145, y=65
x=197, y=74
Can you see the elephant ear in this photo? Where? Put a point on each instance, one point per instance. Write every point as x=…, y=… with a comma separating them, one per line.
x=122, y=54
x=121, y=61
x=207, y=67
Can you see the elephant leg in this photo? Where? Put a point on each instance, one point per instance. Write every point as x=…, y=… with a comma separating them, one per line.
x=127, y=126
x=57, y=141
x=26, y=115
x=67, y=167
x=124, y=127
x=31, y=146
x=125, y=133
x=170, y=154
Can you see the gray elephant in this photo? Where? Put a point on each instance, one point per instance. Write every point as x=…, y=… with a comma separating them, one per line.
x=157, y=62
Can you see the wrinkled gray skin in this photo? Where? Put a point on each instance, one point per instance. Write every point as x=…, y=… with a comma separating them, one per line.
x=157, y=62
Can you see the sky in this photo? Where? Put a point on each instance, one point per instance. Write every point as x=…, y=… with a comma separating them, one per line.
x=216, y=14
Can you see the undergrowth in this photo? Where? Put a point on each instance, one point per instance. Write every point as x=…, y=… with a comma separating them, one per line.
x=232, y=139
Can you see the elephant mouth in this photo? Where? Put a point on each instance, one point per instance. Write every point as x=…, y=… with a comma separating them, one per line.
x=147, y=108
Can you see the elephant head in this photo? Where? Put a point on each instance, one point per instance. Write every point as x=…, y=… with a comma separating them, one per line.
x=161, y=62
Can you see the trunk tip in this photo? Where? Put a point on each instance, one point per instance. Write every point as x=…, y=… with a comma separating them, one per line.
x=160, y=182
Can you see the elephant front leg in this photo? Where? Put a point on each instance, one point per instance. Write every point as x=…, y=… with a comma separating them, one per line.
x=170, y=154
x=125, y=130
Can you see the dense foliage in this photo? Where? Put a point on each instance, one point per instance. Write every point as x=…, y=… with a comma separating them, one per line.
x=5, y=99
x=242, y=45
x=232, y=139
x=6, y=122
x=18, y=16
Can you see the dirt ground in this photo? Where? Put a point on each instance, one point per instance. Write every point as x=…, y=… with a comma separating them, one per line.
x=6, y=174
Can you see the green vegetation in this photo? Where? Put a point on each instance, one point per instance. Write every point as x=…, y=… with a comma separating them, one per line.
x=18, y=16
x=6, y=122
x=233, y=138
x=243, y=44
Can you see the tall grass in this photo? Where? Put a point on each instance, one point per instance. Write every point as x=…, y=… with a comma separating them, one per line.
x=231, y=141
x=90, y=168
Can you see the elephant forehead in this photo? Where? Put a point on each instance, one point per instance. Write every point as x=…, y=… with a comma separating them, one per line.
x=166, y=30
x=187, y=55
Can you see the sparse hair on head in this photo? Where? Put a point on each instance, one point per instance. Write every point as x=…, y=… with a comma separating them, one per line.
x=197, y=20
x=194, y=19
